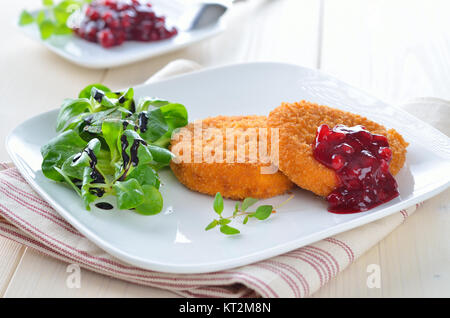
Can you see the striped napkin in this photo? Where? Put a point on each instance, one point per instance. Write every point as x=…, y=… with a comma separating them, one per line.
x=28, y=219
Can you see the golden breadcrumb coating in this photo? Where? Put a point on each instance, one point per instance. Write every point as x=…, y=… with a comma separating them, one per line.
x=298, y=123
x=236, y=180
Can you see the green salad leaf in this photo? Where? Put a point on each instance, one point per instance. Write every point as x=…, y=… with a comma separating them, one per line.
x=52, y=18
x=71, y=108
x=25, y=18
x=47, y=2
x=58, y=150
x=108, y=146
x=129, y=194
x=153, y=201
x=46, y=27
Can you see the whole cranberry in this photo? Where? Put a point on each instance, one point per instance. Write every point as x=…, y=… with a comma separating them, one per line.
x=337, y=162
x=111, y=4
x=92, y=13
x=106, y=38
x=385, y=153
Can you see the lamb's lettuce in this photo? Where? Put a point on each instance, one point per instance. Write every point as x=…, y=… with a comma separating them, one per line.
x=52, y=18
x=110, y=145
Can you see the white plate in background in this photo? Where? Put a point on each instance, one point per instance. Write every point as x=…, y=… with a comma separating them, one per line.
x=93, y=55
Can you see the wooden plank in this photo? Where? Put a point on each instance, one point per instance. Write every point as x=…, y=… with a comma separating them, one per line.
x=42, y=276
x=396, y=50
x=258, y=30
x=415, y=258
x=10, y=254
x=352, y=282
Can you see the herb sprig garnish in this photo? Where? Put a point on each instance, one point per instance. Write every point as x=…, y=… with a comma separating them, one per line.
x=109, y=144
x=261, y=213
x=52, y=19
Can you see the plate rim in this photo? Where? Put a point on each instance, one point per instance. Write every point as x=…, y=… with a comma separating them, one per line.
x=237, y=261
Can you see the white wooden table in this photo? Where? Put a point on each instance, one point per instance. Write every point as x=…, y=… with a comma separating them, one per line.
x=396, y=50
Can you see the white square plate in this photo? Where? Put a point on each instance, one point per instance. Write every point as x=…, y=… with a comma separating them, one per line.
x=93, y=55
x=175, y=240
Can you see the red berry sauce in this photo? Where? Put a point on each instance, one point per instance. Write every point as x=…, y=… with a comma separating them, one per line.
x=361, y=162
x=111, y=22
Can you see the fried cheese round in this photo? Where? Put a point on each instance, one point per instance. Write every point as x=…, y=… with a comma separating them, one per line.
x=218, y=155
x=298, y=123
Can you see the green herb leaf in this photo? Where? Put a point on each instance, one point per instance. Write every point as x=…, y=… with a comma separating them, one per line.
x=245, y=220
x=263, y=212
x=47, y=3
x=224, y=221
x=228, y=230
x=248, y=202
x=236, y=209
x=218, y=203
x=212, y=225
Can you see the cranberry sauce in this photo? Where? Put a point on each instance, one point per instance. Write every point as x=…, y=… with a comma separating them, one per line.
x=361, y=162
x=111, y=22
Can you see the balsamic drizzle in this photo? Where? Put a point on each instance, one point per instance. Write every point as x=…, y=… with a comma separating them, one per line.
x=134, y=151
x=88, y=119
x=133, y=157
x=125, y=157
x=126, y=123
x=99, y=96
x=133, y=106
x=104, y=206
x=96, y=176
x=143, y=122
x=97, y=191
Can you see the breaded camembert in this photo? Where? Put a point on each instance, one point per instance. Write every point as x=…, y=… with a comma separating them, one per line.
x=298, y=124
x=221, y=154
